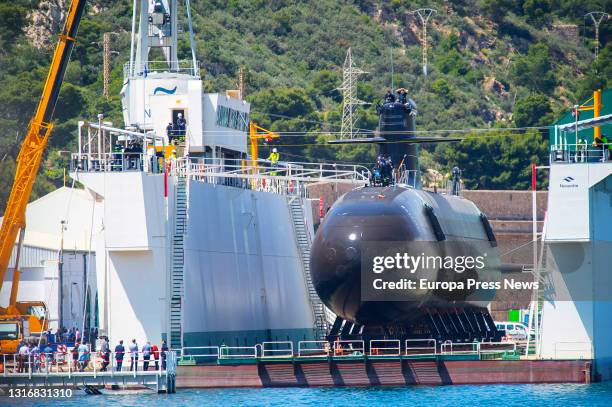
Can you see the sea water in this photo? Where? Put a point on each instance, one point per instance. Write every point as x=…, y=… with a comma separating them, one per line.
x=597, y=394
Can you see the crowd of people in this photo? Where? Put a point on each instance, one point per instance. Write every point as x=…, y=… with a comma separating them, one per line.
x=35, y=355
x=151, y=354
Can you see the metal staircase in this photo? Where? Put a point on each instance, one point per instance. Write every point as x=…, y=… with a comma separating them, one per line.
x=178, y=263
x=304, y=241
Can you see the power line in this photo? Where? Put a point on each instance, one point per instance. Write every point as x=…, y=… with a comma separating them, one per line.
x=597, y=17
x=424, y=15
x=327, y=145
x=317, y=133
x=349, y=99
x=282, y=116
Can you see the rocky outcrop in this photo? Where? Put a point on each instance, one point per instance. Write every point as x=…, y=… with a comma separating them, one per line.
x=45, y=22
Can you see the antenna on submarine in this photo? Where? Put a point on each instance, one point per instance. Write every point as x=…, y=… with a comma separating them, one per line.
x=391, y=57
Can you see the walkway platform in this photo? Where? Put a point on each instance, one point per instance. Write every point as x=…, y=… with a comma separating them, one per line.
x=160, y=380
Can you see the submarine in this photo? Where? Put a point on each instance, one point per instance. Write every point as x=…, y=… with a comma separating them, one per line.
x=402, y=217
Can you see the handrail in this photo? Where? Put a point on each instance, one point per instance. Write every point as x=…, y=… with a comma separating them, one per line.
x=266, y=352
x=305, y=351
x=580, y=153
x=351, y=349
x=464, y=348
x=225, y=352
x=431, y=345
x=377, y=350
x=181, y=66
x=62, y=363
x=184, y=352
x=481, y=351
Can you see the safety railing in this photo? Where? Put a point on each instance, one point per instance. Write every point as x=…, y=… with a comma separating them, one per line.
x=238, y=352
x=84, y=363
x=458, y=348
x=411, y=178
x=248, y=169
x=414, y=347
x=496, y=347
x=313, y=348
x=580, y=153
x=199, y=354
x=112, y=162
x=385, y=347
x=348, y=348
x=186, y=67
x=476, y=348
x=278, y=349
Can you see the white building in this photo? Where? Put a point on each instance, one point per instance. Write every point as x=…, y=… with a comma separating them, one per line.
x=80, y=214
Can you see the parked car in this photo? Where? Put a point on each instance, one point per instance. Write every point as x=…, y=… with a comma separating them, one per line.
x=514, y=330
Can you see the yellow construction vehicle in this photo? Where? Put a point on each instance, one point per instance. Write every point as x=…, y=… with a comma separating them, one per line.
x=20, y=319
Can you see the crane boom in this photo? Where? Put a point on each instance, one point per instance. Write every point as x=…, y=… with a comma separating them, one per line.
x=35, y=142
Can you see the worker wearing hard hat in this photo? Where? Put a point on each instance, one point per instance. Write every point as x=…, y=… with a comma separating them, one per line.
x=273, y=158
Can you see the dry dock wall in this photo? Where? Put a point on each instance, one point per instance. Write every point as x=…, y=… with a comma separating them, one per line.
x=393, y=372
x=244, y=282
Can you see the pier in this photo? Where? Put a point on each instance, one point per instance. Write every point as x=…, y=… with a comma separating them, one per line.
x=63, y=373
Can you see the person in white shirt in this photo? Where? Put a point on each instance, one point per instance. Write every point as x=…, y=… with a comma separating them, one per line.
x=24, y=353
x=134, y=355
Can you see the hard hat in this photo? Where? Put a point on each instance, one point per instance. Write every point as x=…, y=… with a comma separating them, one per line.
x=180, y=115
x=274, y=150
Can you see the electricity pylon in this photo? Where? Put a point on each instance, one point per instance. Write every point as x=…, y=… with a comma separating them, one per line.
x=597, y=17
x=424, y=15
x=349, y=92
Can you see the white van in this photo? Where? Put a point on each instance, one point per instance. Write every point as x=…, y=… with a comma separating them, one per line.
x=514, y=330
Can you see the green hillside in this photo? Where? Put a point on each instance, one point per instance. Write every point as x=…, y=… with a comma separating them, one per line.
x=493, y=64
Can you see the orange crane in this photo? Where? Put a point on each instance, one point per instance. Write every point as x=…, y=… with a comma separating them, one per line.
x=20, y=318
x=255, y=134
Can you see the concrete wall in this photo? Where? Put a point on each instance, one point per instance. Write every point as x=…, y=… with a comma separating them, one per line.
x=507, y=205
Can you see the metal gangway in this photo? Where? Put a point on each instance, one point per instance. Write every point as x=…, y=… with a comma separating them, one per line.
x=61, y=370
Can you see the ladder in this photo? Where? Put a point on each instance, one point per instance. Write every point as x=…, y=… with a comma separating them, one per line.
x=304, y=242
x=178, y=263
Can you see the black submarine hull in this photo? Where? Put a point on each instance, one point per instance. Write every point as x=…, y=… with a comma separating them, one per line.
x=408, y=216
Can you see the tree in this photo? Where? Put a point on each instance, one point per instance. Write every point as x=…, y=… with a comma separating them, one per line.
x=537, y=11
x=441, y=88
x=532, y=111
x=13, y=19
x=534, y=70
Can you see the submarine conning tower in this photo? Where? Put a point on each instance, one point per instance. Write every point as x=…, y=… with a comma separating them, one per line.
x=396, y=125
